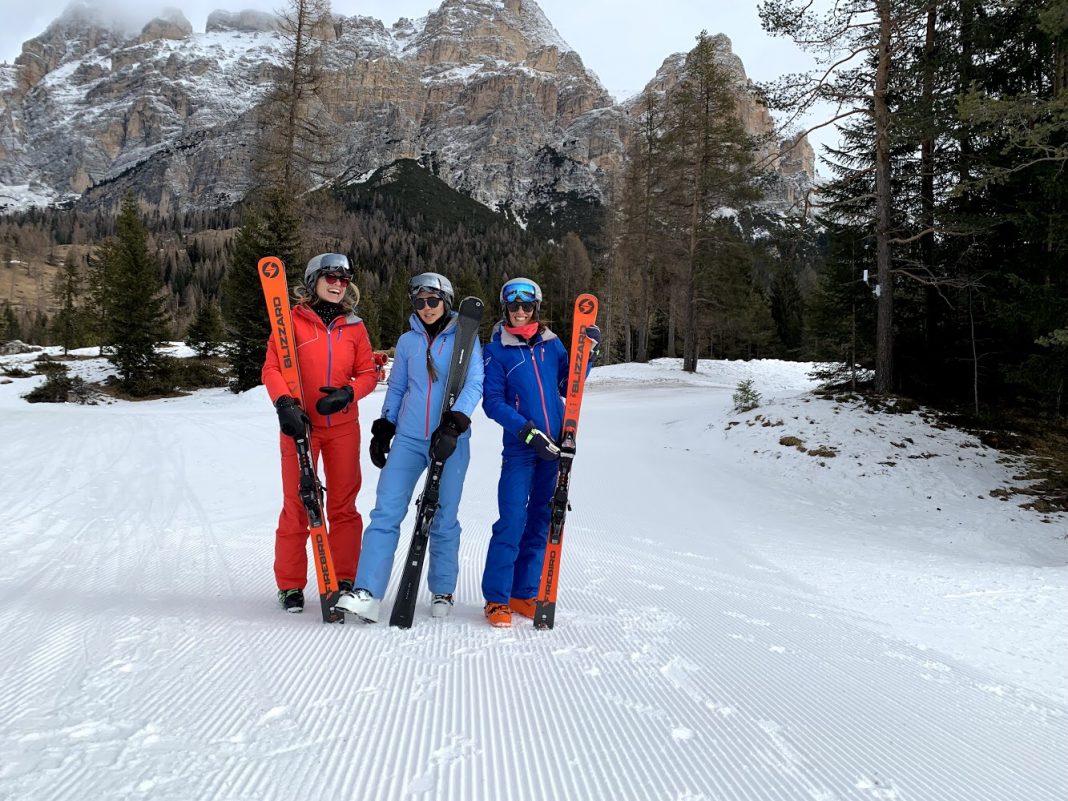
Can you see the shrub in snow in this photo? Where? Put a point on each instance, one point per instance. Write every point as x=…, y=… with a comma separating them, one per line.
x=61, y=388
x=745, y=397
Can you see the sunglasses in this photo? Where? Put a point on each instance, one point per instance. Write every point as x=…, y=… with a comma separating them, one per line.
x=421, y=303
x=336, y=279
x=516, y=305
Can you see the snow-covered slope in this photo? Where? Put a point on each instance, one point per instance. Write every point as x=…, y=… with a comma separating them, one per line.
x=736, y=620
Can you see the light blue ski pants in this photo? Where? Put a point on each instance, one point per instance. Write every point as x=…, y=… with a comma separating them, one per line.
x=408, y=459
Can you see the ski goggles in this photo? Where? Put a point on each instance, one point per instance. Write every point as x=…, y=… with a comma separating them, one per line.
x=427, y=282
x=333, y=263
x=525, y=305
x=332, y=279
x=514, y=292
x=421, y=303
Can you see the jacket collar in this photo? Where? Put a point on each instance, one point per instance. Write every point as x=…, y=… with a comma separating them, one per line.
x=350, y=319
x=512, y=341
x=417, y=324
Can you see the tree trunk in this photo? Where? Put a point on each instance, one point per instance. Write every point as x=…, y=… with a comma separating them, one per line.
x=689, y=345
x=884, y=339
x=932, y=299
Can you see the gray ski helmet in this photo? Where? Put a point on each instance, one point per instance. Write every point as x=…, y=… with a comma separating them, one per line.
x=432, y=282
x=326, y=264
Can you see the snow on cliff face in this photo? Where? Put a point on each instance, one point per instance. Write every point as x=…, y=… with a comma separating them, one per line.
x=487, y=89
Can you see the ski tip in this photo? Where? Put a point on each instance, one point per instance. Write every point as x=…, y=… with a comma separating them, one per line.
x=586, y=304
x=271, y=266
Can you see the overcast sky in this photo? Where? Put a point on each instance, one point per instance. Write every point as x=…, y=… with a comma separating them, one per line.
x=623, y=41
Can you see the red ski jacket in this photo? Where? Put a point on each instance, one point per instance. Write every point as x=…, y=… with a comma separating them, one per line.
x=327, y=356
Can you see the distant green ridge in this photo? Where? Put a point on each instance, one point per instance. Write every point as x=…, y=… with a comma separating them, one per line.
x=406, y=189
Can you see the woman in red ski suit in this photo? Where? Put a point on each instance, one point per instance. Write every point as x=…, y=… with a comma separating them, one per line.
x=336, y=369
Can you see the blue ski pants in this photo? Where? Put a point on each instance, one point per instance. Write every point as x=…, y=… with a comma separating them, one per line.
x=517, y=545
x=408, y=458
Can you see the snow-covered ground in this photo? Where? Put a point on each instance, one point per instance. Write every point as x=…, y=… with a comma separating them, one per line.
x=737, y=619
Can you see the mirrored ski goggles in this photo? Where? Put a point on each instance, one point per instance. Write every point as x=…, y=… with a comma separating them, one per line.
x=337, y=262
x=426, y=282
x=520, y=292
x=332, y=279
x=421, y=303
x=525, y=305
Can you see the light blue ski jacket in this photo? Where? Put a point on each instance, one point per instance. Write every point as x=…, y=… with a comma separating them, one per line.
x=413, y=402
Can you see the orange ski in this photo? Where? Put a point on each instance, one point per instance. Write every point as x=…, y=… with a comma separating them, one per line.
x=276, y=292
x=585, y=315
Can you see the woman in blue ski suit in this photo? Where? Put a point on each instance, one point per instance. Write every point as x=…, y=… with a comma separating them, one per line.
x=411, y=427
x=526, y=368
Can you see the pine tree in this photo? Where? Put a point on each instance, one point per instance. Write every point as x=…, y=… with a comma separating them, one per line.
x=69, y=324
x=9, y=323
x=709, y=167
x=393, y=319
x=269, y=228
x=206, y=332
x=859, y=45
x=297, y=148
x=137, y=306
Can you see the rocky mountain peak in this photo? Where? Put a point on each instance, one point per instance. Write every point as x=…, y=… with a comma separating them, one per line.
x=171, y=24
x=81, y=28
x=247, y=21
x=463, y=31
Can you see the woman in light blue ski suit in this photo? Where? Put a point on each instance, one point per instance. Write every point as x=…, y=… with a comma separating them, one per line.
x=413, y=425
x=526, y=375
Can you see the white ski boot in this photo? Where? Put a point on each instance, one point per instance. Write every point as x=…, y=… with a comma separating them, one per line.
x=360, y=603
x=441, y=605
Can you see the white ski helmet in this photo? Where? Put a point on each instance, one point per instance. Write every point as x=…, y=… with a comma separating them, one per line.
x=520, y=289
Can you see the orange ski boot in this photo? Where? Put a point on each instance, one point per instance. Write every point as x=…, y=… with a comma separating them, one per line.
x=524, y=606
x=499, y=615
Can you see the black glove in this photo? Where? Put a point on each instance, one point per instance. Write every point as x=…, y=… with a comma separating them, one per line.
x=291, y=418
x=334, y=399
x=443, y=440
x=382, y=432
x=542, y=445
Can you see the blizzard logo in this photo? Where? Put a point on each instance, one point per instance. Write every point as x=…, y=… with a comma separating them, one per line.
x=270, y=268
x=585, y=306
x=550, y=571
x=579, y=364
x=324, y=567
x=282, y=331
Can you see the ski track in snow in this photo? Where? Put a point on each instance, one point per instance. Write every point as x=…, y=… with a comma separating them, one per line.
x=146, y=659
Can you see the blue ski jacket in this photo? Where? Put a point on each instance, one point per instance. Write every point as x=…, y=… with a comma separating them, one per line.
x=413, y=402
x=525, y=381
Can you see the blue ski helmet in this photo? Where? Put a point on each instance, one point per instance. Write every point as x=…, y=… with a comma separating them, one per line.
x=434, y=283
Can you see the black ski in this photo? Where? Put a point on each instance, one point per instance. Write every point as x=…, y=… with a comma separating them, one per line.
x=467, y=324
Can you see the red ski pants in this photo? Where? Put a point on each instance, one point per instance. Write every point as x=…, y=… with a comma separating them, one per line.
x=340, y=451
